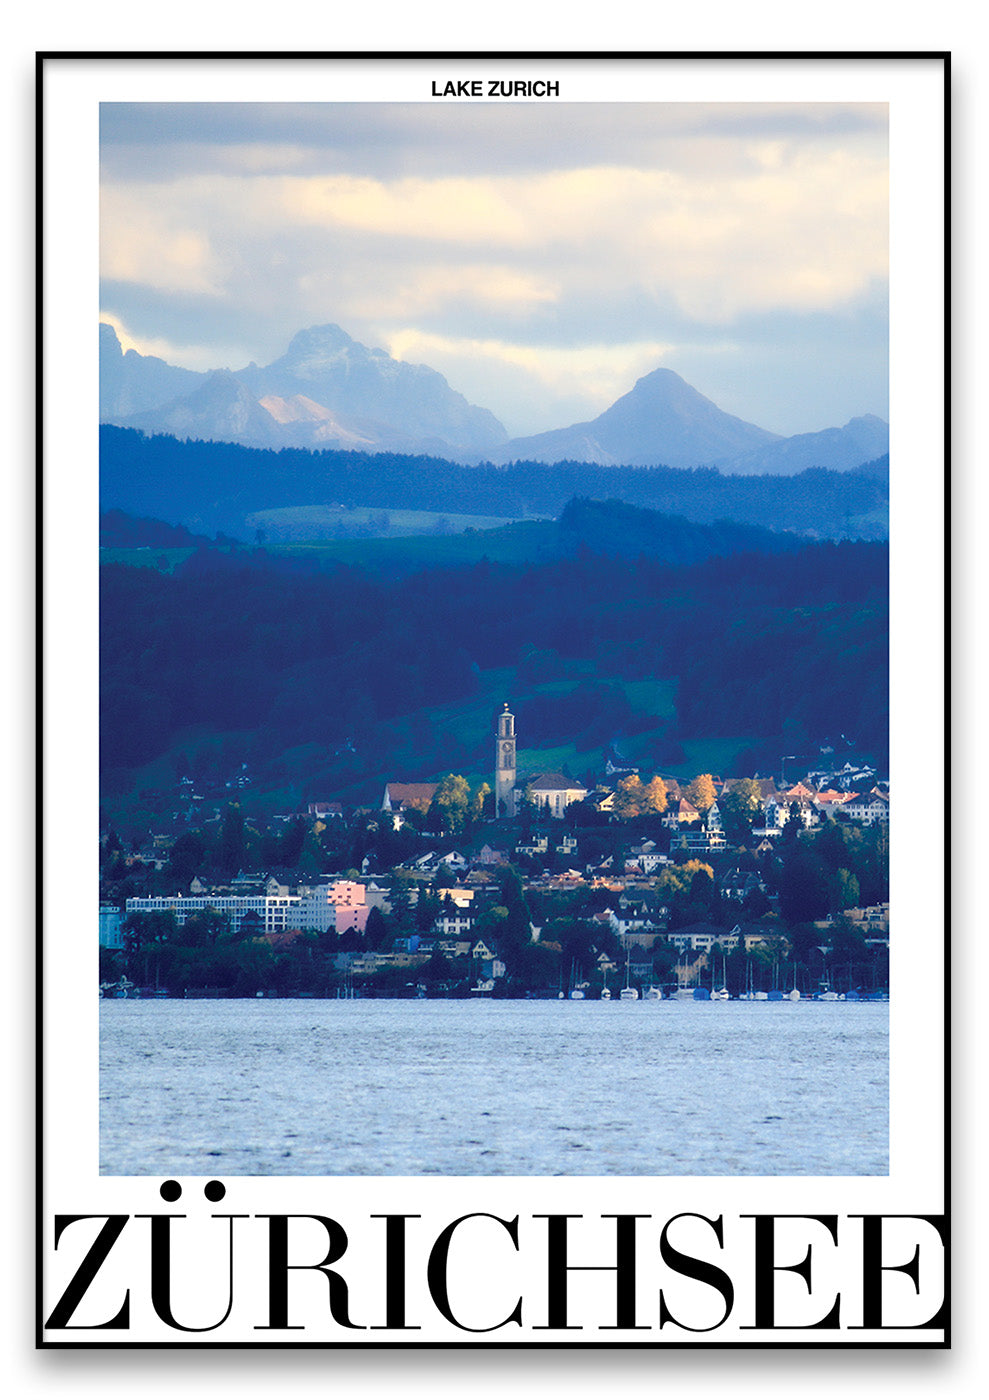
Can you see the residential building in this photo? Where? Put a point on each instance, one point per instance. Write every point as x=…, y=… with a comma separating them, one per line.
x=635, y=922
x=456, y=916
x=705, y=839
x=488, y=856
x=702, y=938
x=871, y=920
x=333, y=908
x=870, y=809
x=273, y=912
x=679, y=812
x=111, y=926
x=738, y=884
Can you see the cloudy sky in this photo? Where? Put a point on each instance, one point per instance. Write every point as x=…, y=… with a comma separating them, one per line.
x=542, y=256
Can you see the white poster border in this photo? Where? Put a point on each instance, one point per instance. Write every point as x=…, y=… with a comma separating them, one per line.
x=72, y=89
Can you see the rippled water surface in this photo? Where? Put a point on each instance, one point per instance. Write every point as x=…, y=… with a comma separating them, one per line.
x=409, y=1088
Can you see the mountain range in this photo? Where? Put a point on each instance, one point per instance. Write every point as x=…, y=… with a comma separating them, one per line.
x=329, y=391
x=661, y=413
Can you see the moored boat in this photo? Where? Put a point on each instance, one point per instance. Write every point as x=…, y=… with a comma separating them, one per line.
x=719, y=993
x=628, y=992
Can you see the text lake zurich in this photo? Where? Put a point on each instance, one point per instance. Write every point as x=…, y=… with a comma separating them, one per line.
x=447, y=1088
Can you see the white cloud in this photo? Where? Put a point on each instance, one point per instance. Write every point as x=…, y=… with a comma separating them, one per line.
x=428, y=289
x=463, y=211
x=801, y=231
x=592, y=375
x=255, y=157
x=144, y=238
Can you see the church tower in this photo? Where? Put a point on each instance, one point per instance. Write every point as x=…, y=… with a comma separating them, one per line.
x=505, y=765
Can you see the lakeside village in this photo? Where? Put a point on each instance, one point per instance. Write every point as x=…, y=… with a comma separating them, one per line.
x=538, y=887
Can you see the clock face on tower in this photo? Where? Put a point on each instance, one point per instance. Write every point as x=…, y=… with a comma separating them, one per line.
x=506, y=753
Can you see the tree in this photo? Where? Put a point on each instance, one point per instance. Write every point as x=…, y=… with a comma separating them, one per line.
x=665, y=956
x=480, y=803
x=793, y=827
x=148, y=939
x=185, y=859
x=833, y=844
x=488, y=926
x=255, y=962
x=844, y=891
x=701, y=792
x=756, y=903
x=514, y=930
x=583, y=814
x=377, y=933
x=311, y=855
x=850, y=955
x=453, y=800
x=293, y=839
x=872, y=864
x=400, y=908
x=804, y=888
x=113, y=841
x=350, y=941
x=697, y=903
x=537, y=967
x=527, y=810
x=676, y=879
x=654, y=799
x=230, y=855
x=427, y=911
x=630, y=796
x=511, y=891
x=299, y=966
x=439, y=968
x=205, y=928
x=739, y=806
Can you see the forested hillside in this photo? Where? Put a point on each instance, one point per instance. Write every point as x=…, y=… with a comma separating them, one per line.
x=211, y=487
x=762, y=645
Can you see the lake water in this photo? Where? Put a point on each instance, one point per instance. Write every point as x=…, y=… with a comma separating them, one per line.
x=504, y=1088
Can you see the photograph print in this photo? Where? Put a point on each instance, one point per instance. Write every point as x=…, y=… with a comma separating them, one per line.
x=494, y=618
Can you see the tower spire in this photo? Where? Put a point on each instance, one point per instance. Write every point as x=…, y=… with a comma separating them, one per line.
x=505, y=764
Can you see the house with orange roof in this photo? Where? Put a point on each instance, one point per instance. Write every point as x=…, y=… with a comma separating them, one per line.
x=680, y=813
x=830, y=801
